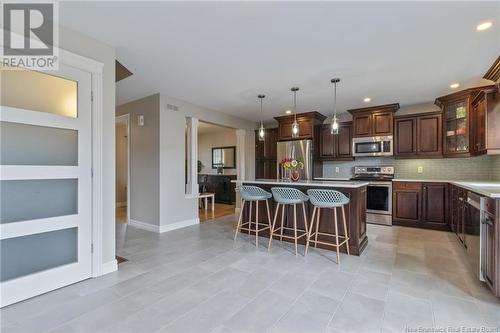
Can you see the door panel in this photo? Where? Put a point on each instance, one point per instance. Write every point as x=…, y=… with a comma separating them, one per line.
x=344, y=139
x=38, y=145
x=362, y=125
x=45, y=228
x=435, y=198
x=405, y=137
x=406, y=205
x=429, y=135
x=382, y=123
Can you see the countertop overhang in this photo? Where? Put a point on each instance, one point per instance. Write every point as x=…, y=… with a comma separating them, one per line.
x=318, y=183
x=490, y=189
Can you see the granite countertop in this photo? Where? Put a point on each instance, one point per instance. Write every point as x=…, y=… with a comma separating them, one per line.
x=319, y=183
x=487, y=188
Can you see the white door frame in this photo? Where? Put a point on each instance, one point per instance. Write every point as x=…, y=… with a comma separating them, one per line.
x=126, y=119
x=95, y=68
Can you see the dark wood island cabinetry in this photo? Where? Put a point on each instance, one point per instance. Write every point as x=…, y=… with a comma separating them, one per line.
x=355, y=211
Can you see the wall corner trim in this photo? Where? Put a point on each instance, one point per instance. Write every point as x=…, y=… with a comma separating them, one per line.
x=144, y=226
x=164, y=228
x=109, y=267
x=178, y=225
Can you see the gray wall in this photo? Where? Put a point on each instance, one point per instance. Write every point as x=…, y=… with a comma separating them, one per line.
x=175, y=206
x=85, y=46
x=144, y=158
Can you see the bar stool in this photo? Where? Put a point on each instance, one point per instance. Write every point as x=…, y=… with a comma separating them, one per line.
x=328, y=199
x=252, y=194
x=289, y=196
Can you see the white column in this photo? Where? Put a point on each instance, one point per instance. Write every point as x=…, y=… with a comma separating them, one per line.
x=192, y=146
x=240, y=162
x=240, y=153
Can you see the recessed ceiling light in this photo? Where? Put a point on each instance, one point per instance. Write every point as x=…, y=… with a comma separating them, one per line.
x=484, y=26
x=367, y=99
x=288, y=111
x=454, y=85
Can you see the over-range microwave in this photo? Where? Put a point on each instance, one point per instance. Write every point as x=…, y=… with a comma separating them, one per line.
x=373, y=146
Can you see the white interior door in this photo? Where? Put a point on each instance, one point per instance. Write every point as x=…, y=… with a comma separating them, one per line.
x=45, y=181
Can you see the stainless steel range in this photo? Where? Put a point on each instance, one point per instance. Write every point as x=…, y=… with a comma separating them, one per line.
x=378, y=192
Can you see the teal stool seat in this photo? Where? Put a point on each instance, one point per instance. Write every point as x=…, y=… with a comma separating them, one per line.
x=253, y=193
x=249, y=195
x=288, y=195
x=327, y=198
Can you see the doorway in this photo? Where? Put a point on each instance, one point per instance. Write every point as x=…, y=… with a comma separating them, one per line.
x=217, y=168
x=122, y=151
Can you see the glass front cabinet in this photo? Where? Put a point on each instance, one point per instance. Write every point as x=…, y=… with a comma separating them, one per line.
x=459, y=121
x=456, y=126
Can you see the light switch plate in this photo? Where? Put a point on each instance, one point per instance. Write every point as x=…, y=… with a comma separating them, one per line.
x=420, y=169
x=337, y=169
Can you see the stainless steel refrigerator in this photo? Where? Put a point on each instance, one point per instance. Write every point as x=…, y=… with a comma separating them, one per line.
x=298, y=149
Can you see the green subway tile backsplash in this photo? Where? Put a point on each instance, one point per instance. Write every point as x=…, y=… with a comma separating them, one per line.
x=474, y=168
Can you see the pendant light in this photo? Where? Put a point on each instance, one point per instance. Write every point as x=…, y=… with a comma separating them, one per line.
x=335, y=121
x=261, y=129
x=295, y=125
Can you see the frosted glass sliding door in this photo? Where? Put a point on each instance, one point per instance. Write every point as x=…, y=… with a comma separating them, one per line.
x=45, y=180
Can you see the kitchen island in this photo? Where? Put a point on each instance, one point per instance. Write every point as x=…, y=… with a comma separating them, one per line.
x=355, y=211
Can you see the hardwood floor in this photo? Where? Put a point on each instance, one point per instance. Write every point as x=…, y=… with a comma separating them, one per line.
x=220, y=211
x=121, y=215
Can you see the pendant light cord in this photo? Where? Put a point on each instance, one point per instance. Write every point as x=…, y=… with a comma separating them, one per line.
x=335, y=99
x=295, y=105
x=261, y=124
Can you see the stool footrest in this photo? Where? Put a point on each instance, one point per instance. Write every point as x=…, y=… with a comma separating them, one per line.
x=311, y=239
x=265, y=226
x=300, y=233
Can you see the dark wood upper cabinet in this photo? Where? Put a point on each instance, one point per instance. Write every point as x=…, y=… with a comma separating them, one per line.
x=362, y=124
x=405, y=137
x=429, y=135
x=382, y=123
x=336, y=147
x=343, y=142
x=374, y=120
x=485, y=136
x=327, y=143
x=265, y=154
x=308, y=125
x=460, y=122
x=418, y=135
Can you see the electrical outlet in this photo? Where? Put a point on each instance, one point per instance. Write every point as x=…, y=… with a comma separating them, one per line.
x=337, y=169
x=420, y=169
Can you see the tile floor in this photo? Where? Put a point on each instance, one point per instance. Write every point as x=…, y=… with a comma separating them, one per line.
x=197, y=279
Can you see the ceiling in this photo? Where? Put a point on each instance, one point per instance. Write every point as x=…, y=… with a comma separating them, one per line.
x=208, y=128
x=221, y=55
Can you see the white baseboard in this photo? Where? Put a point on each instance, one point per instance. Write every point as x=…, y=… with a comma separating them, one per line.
x=165, y=227
x=237, y=210
x=178, y=225
x=109, y=266
x=144, y=226
x=121, y=204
